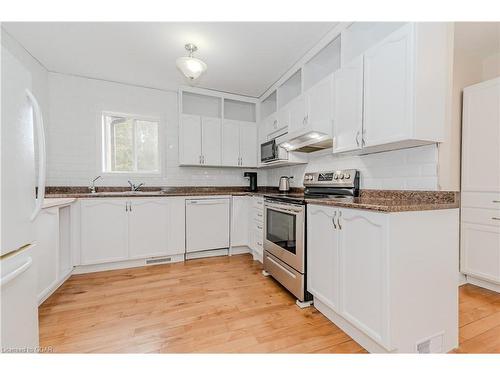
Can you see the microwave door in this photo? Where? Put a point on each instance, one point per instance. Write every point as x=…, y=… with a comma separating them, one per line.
x=267, y=151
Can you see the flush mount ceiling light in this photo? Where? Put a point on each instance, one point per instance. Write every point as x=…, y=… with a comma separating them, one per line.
x=190, y=66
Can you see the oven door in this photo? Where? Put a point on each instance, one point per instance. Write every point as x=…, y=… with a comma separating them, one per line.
x=284, y=233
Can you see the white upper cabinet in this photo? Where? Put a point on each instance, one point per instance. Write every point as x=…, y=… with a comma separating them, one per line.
x=348, y=107
x=148, y=223
x=239, y=144
x=319, y=105
x=388, y=89
x=190, y=140
x=297, y=114
x=481, y=137
x=211, y=133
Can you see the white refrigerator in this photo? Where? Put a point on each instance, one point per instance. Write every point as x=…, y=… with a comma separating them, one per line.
x=21, y=136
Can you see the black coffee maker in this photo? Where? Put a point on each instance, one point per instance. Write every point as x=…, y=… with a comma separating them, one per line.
x=253, y=180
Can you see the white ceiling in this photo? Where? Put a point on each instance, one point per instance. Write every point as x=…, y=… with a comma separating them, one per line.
x=243, y=58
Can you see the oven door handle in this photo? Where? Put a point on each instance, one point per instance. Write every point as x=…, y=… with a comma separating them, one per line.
x=281, y=267
x=285, y=210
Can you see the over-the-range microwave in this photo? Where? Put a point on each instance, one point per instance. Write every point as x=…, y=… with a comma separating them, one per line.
x=270, y=151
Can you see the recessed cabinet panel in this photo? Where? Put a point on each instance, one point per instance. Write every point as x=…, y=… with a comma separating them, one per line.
x=248, y=144
x=320, y=105
x=363, y=273
x=190, y=140
x=323, y=255
x=481, y=251
x=389, y=89
x=348, y=107
x=104, y=236
x=297, y=114
x=148, y=223
x=211, y=141
x=230, y=143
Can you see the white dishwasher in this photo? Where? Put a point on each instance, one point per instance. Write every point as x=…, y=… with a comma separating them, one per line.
x=207, y=224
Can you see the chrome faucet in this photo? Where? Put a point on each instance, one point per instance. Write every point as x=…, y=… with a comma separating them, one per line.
x=135, y=187
x=92, y=185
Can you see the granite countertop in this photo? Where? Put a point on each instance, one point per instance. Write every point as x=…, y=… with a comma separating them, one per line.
x=376, y=200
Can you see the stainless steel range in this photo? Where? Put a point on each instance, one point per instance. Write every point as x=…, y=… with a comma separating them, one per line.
x=285, y=243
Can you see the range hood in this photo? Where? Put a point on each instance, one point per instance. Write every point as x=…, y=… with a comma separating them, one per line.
x=309, y=141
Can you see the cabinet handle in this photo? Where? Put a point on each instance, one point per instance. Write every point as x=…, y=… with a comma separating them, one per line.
x=203, y=159
x=338, y=220
x=199, y=159
x=126, y=206
x=496, y=201
x=275, y=124
x=130, y=206
x=363, y=132
x=495, y=218
x=333, y=219
x=357, y=138
x=259, y=227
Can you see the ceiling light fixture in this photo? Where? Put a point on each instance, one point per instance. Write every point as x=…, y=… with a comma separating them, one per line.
x=190, y=66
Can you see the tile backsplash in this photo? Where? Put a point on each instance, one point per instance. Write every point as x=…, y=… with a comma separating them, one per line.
x=408, y=169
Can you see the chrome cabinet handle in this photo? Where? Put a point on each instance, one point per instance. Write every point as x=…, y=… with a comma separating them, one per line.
x=199, y=159
x=275, y=124
x=338, y=220
x=495, y=218
x=496, y=201
x=333, y=219
x=363, y=132
x=357, y=138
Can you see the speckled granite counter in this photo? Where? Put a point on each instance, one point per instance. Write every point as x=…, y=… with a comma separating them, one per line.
x=396, y=200
x=377, y=200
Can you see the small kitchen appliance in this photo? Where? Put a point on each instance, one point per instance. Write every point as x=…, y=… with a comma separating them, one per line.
x=252, y=176
x=284, y=185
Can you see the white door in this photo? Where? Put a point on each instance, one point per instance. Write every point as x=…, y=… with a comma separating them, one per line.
x=481, y=137
x=248, y=144
x=364, y=272
x=240, y=216
x=231, y=143
x=319, y=106
x=45, y=258
x=147, y=227
x=388, y=89
x=190, y=140
x=348, y=107
x=207, y=224
x=323, y=255
x=297, y=116
x=211, y=141
x=104, y=236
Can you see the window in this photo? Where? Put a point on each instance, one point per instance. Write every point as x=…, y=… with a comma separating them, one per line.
x=130, y=144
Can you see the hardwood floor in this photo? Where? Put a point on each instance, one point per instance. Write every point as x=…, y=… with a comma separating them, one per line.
x=215, y=305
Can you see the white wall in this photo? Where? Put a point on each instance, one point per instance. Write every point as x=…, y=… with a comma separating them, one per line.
x=410, y=169
x=74, y=140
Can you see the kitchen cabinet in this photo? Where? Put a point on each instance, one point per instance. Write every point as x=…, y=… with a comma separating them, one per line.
x=348, y=107
x=239, y=221
x=239, y=144
x=199, y=140
x=104, y=236
x=207, y=224
x=117, y=229
x=323, y=269
x=296, y=114
x=382, y=281
x=480, y=196
x=256, y=227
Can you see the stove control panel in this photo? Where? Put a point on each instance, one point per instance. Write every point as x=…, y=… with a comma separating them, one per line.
x=344, y=178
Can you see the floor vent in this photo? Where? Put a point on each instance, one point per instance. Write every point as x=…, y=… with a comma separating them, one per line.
x=432, y=344
x=158, y=260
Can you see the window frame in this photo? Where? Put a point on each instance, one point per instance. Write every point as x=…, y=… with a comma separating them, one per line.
x=106, y=137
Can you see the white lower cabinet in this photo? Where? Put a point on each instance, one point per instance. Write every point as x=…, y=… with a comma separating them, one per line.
x=380, y=279
x=119, y=229
x=239, y=220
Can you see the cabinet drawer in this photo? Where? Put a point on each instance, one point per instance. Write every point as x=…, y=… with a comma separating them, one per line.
x=258, y=203
x=481, y=216
x=481, y=200
x=258, y=215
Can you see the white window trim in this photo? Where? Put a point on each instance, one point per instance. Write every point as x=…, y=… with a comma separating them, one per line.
x=101, y=147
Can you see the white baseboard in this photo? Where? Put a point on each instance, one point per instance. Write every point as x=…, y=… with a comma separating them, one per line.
x=483, y=284
x=257, y=255
x=123, y=264
x=51, y=289
x=235, y=250
x=462, y=279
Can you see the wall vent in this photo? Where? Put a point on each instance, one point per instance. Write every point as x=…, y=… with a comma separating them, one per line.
x=432, y=344
x=158, y=260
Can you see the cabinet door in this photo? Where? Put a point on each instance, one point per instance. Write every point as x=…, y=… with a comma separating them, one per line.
x=147, y=227
x=240, y=216
x=297, y=117
x=103, y=230
x=319, y=106
x=231, y=143
x=388, y=89
x=364, y=271
x=248, y=144
x=481, y=251
x=481, y=137
x=45, y=255
x=323, y=255
x=176, y=225
x=348, y=107
x=211, y=141
x=190, y=140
